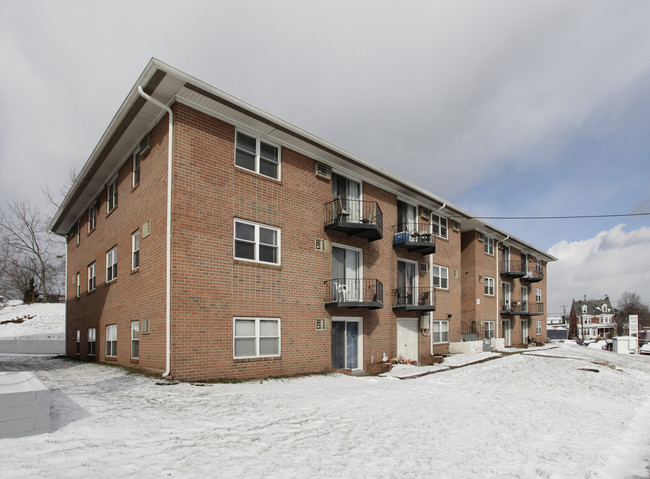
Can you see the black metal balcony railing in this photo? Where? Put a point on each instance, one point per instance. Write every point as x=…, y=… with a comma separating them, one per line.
x=533, y=275
x=354, y=293
x=414, y=237
x=355, y=218
x=414, y=299
x=513, y=269
x=522, y=308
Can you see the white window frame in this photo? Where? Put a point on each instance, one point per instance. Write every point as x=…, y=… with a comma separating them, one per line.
x=135, y=171
x=111, y=341
x=538, y=265
x=488, y=283
x=135, y=250
x=256, y=337
x=92, y=276
x=256, y=242
x=111, y=264
x=538, y=295
x=78, y=231
x=489, y=329
x=92, y=216
x=111, y=195
x=538, y=327
x=91, y=336
x=415, y=287
x=439, y=335
x=258, y=149
x=488, y=245
x=78, y=285
x=135, y=339
x=437, y=222
x=439, y=276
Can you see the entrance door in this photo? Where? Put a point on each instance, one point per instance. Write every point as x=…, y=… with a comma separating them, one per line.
x=407, y=338
x=524, y=331
x=347, y=345
x=506, y=332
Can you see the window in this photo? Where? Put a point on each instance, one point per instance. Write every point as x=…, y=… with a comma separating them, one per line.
x=135, y=339
x=441, y=331
x=78, y=232
x=111, y=340
x=92, y=337
x=258, y=156
x=538, y=265
x=92, y=217
x=111, y=264
x=135, y=250
x=78, y=284
x=136, y=168
x=78, y=341
x=439, y=226
x=488, y=329
x=256, y=337
x=406, y=217
x=538, y=329
x=440, y=276
x=488, y=245
x=489, y=286
x=111, y=195
x=255, y=242
x=538, y=295
x=91, y=276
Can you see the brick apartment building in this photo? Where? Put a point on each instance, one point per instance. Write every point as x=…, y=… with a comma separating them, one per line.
x=265, y=250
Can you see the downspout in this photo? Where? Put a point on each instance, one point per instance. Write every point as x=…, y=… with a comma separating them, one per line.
x=431, y=275
x=498, y=283
x=168, y=349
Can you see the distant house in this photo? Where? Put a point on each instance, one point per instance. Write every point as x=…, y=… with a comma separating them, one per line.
x=590, y=319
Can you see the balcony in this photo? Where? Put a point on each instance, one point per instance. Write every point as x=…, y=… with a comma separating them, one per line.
x=355, y=218
x=414, y=299
x=513, y=269
x=533, y=276
x=354, y=293
x=414, y=237
x=522, y=308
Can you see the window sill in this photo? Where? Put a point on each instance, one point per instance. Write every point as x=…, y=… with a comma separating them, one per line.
x=108, y=283
x=136, y=270
x=88, y=293
x=135, y=187
x=257, y=264
x=91, y=231
x=257, y=175
x=111, y=212
x=110, y=358
x=135, y=360
x=251, y=360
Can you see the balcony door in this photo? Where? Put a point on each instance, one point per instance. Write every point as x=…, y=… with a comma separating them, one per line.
x=346, y=274
x=406, y=283
x=406, y=217
x=350, y=193
x=347, y=343
x=524, y=299
x=506, y=296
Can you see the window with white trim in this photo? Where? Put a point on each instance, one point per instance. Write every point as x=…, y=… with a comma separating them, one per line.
x=488, y=245
x=135, y=339
x=489, y=286
x=78, y=284
x=111, y=195
x=256, y=155
x=538, y=327
x=78, y=231
x=92, y=338
x=440, y=276
x=135, y=250
x=111, y=264
x=256, y=337
x=439, y=226
x=111, y=340
x=538, y=295
x=257, y=242
x=91, y=276
x=136, y=168
x=92, y=216
x=538, y=265
x=488, y=329
x=441, y=331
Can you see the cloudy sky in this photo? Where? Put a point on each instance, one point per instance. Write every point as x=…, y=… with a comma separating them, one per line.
x=504, y=108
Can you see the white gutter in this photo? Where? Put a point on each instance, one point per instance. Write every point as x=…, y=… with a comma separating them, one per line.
x=431, y=273
x=168, y=349
x=496, y=286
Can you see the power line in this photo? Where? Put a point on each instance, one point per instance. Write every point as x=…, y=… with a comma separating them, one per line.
x=554, y=217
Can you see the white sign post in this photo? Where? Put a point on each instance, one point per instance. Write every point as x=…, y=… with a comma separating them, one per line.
x=633, y=328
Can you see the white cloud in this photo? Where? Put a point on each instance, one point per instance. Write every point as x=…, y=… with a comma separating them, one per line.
x=612, y=262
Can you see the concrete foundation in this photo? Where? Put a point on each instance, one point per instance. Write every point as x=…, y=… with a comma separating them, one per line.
x=32, y=346
x=24, y=405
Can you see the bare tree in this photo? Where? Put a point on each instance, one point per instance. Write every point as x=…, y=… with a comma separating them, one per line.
x=29, y=251
x=56, y=197
x=627, y=304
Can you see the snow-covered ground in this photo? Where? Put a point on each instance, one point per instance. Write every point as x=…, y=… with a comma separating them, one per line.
x=39, y=321
x=541, y=413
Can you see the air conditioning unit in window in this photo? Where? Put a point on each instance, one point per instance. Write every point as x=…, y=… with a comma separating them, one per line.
x=145, y=145
x=481, y=238
x=145, y=325
x=424, y=267
x=425, y=214
x=455, y=225
x=323, y=171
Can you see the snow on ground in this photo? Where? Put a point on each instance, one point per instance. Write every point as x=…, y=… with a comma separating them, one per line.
x=539, y=413
x=41, y=321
